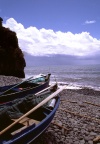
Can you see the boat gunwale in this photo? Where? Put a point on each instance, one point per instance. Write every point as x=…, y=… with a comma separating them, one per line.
x=52, y=113
x=23, y=91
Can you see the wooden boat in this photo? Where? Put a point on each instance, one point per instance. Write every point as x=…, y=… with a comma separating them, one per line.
x=9, y=93
x=34, y=120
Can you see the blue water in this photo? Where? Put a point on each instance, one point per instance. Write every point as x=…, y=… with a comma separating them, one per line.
x=80, y=75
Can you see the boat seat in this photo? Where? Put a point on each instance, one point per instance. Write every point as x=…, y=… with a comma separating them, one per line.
x=18, y=130
x=25, y=122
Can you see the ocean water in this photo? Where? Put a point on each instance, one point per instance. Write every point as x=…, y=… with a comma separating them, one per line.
x=73, y=76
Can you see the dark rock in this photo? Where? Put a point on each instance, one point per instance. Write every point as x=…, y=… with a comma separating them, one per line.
x=12, y=60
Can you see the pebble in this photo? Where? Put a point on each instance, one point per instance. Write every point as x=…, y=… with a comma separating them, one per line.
x=93, y=133
x=8, y=80
x=90, y=142
x=82, y=141
x=82, y=130
x=79, y=130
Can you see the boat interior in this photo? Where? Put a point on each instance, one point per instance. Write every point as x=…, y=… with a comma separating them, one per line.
x=31, y=120
x=9, y=114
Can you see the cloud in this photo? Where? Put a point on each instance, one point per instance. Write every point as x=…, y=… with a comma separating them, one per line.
x=40, y=42
x=90, y=22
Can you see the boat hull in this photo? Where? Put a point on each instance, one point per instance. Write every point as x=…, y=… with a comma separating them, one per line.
x=10, y=97
x=32, y=132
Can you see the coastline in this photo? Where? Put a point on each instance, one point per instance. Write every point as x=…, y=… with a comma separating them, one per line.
x=77, y=120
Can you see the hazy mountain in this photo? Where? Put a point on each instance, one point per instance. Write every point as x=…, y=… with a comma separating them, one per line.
x=59, y=60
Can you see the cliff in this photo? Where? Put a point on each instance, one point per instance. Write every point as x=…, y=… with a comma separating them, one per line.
x=12, y=62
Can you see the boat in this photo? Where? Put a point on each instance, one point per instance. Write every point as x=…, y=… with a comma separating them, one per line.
x=27, y=118
x=29, y=86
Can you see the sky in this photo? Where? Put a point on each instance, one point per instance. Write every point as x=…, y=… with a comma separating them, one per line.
x=53, y=27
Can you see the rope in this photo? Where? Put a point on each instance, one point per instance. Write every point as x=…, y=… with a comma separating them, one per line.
x=63, y=127
x=84, y=116
x=69, y=101
x=91, y=103
x=96, y=140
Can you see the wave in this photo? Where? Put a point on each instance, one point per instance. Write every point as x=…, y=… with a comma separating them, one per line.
x=76, y=86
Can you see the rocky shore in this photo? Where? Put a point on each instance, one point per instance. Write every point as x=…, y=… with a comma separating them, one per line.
x=8, y=80
x=77, y=120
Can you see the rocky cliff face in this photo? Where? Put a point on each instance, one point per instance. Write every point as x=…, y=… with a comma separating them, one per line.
x=12, y=60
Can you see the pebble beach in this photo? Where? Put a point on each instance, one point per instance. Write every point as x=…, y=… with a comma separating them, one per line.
x=77, y=120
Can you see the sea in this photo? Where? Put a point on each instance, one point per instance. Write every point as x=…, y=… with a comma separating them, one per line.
x=73, y=76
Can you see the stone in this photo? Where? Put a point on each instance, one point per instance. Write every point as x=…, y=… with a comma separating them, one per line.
x=59, y=123
x=76, y=142
x=93, y=133
x=83, y=131
x=90, y=142
x=75, y=129
x=82, y=141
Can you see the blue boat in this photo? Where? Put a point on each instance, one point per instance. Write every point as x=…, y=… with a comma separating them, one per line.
x=9, y=93
x=32, y=121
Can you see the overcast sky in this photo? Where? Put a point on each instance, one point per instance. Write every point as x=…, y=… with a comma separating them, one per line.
x=44, y=27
